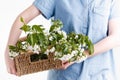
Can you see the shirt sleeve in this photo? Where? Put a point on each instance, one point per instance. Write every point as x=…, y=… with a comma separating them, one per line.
x=46, y=7
x=115, y=9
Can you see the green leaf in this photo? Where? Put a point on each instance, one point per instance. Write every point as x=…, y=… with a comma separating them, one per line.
x=13, y=48
x=34, y=39
x=91, y=47
x=28, y=39
x=21, y=19
x=55, y=24
x=31, y=39
x=41, y=37
x=38, y=28
x=19, y=45
x=52, y=28
x=25, y=28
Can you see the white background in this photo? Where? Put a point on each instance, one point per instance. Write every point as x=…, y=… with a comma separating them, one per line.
x=9, y=9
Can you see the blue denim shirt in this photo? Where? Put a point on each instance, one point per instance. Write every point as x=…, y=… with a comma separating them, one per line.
x=89, y=17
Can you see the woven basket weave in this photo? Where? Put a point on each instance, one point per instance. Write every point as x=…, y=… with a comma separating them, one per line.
x=24, y=65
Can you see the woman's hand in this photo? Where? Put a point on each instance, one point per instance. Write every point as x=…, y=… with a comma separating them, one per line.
x=10, y=65
x=66, y=64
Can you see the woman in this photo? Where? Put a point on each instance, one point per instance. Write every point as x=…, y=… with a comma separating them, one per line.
x=98, y=19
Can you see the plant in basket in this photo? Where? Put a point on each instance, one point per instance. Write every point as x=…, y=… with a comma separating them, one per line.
x=69, y=47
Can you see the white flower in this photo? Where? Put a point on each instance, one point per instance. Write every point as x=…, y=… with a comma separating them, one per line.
x=82, y=50
x=57, y=29
x=46, y=32
x=57, y=53
x=13, y=54
x=80, y=46
x=84, y=44
x=59, y=32
x=52, y=49
x=76, y=36
x=80, y=59
x=69, y=56
x=24, y=45
x=50, y=38
x=84, y=57
x=64, y=34
x=30, y=48
x=74, y=52
x=81, y=54
x=66, y=57
x=35, y=49
x=47, y=51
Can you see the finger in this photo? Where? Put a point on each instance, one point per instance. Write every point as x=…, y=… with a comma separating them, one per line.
x=66, y=65
x=14, y=72
x=62, y=66
x=9, y=70
x=17, y=74
x=63, y=62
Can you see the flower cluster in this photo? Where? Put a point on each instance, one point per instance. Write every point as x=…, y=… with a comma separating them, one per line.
x=64, y=46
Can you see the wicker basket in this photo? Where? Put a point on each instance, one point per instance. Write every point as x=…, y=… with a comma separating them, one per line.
x=25, y=66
